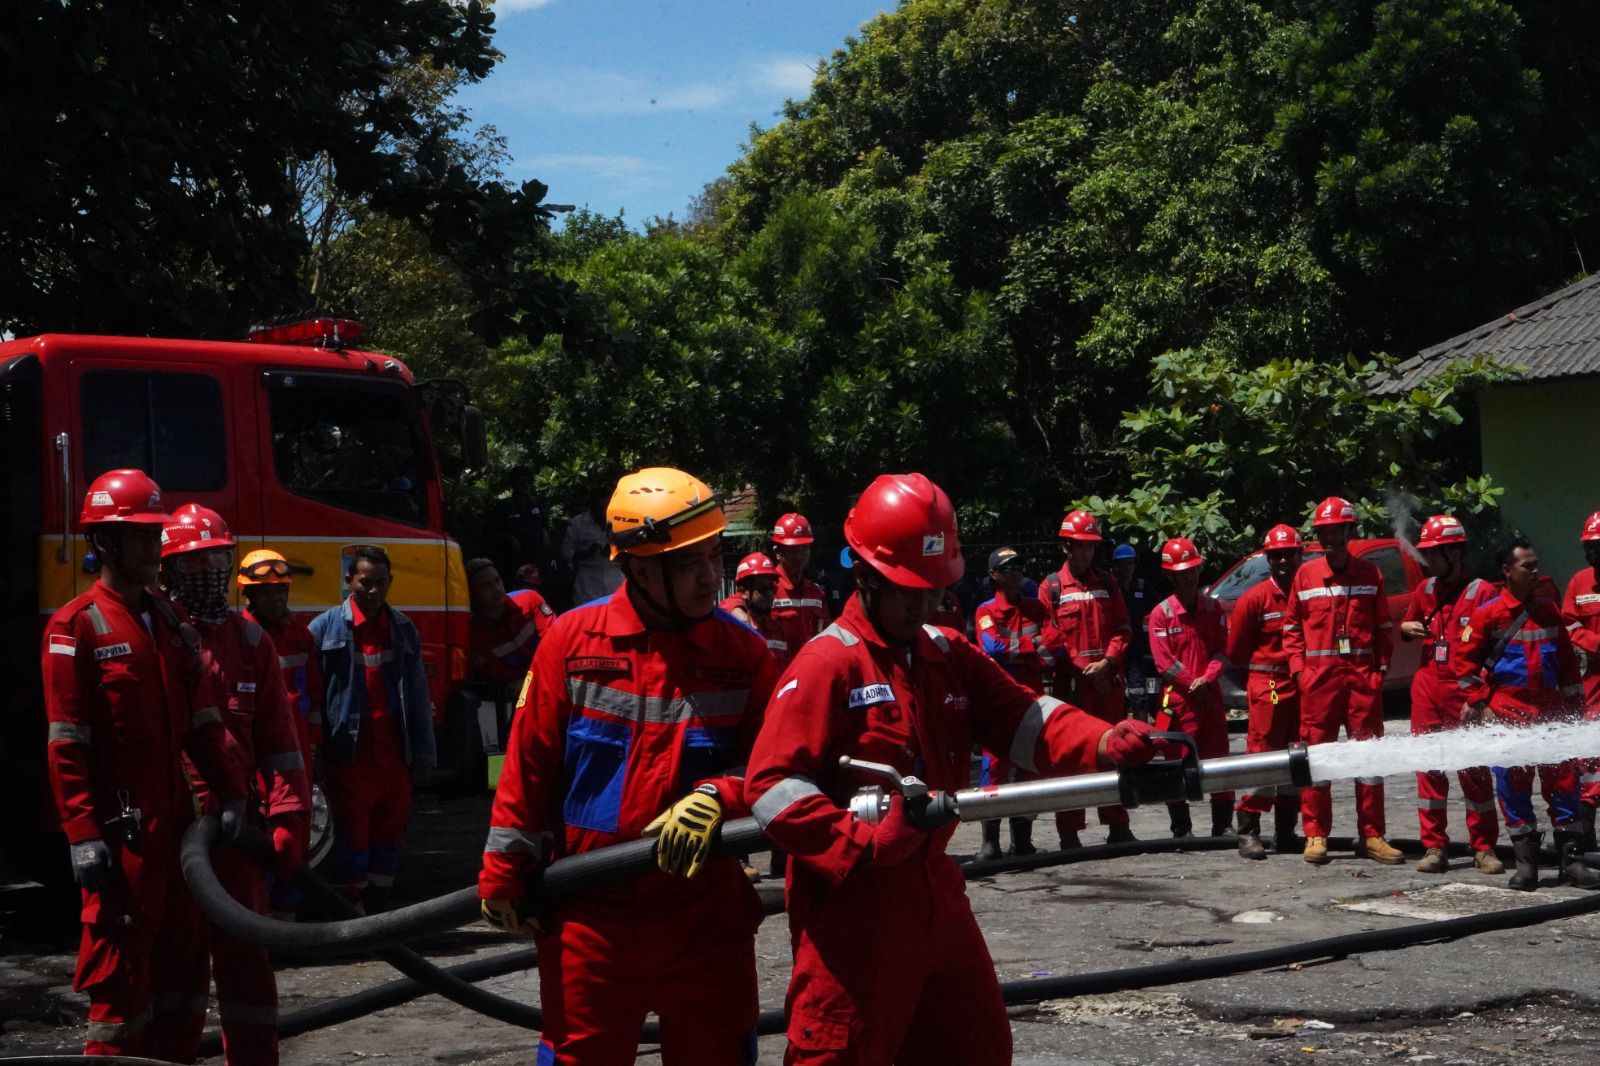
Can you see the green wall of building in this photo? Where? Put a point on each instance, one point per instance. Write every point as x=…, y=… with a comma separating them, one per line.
x=1541, y=443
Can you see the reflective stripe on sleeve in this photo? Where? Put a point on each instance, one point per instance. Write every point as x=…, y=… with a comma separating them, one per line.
x=781, y=797
x=1171, y=673
x=505, y=839
x=515, y=643
x=69, y=733
x=203, y=717
x=119, y=1032
x=1030, y=729
x=287, y=662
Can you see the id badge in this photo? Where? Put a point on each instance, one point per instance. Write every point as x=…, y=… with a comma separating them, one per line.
x=1344, y=643
x=1441, y=652
x=1152, y=685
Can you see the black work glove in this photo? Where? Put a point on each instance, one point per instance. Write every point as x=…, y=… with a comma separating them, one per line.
x=91, y=865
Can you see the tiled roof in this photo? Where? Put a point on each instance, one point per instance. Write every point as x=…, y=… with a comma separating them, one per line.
x=1557, y=336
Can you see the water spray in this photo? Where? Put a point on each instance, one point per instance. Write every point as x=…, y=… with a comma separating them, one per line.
x=1402, y=507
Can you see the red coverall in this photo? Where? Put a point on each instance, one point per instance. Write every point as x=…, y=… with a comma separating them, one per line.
x=302, y=684
x=1255, y=642
x=1581, y=611
x=258, y=716
x=1436, y=704
x=124, y=703
x=889, y=964
x=778, y=648
x=1187, y=645
x=1534, y=678
x=1339, y=637
x=1092, y=617
x=503, y=649
x=616, y=724
x=1020, y=637
x=798, y=612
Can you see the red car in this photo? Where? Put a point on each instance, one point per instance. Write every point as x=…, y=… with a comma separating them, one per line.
x=1402, y=572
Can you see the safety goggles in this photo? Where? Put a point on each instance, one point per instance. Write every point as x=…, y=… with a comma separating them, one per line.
x=659, y=531
x=262, y=569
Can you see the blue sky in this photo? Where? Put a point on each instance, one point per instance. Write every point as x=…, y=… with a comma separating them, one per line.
x=634, y=105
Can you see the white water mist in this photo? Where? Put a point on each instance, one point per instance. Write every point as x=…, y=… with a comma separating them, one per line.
x=1492, y=745
x=1403, y=509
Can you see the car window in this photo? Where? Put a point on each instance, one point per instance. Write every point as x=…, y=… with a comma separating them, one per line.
x=1239, y=581
x=1393, y=568
x=168, y=425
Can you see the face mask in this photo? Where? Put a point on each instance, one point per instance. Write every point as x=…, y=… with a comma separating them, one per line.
x=204, y=595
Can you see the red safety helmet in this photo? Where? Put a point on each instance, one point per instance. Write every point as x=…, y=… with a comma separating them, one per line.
x=1179, y=553
x=123, y=496
x=1282, y=538
x=193, y=528
x=1440, y=530
x=792, y=529
x=1591, y=528
x=754, y=565
x=1080, y=525
x=904, y=527
x=1335, y=511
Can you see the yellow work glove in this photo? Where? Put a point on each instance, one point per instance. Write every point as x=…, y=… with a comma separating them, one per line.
x=686, y=829
x=511, y=916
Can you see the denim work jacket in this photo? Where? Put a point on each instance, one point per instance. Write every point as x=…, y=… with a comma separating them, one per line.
x=345, y=707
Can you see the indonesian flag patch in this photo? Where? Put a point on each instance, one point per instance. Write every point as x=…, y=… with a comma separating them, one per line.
x=63, y=645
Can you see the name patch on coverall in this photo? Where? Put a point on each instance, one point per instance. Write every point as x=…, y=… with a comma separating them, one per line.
x=868, y=695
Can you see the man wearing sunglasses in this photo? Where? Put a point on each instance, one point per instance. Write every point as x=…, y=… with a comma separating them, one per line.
x=634, y=721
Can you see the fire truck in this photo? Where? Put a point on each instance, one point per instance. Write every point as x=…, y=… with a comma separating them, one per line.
x=304, y=442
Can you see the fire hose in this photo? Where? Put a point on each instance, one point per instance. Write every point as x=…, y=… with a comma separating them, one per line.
x=1167, y=780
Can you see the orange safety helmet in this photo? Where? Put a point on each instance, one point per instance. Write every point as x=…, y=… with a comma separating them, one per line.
x=1179, y=553
x=659, y=509
x=1440, y=530
x=1591, y=528
x=1334, y=511
x=264, y=567
x=194, y=528
x=1282, y=538
x=904, y=527
x=1080, y=525
x=792, y=529
x=754, y=565
x=123, y=496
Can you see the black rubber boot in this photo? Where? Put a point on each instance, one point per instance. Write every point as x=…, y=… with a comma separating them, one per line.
x=1526, y=847
x=1022, y=838
x=990, y=849
x=1250, y=846
x=1285, y=819
x=1569, y=848
x=1588, y=828
x=1120, y=834
x=1182, y=825
x=1221, y=818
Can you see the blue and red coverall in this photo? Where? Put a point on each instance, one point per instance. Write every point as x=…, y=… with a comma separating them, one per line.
x=889, y=964
x=1255, y=644
x=778, y=648
x=1339, y=637
x=1581, y=611
x=502, y=648
x=1092, y=618
x=127, y=693
x=799, y=611
x=616, y=723
x=258, y=715
x=1187, y=646
x=1020, y=637
x=1437, y=701
x=1533, y=679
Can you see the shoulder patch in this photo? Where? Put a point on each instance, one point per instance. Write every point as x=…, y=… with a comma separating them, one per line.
x=61, y=644
x=789, y=686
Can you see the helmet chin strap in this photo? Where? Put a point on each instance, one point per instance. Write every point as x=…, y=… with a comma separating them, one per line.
x=676, y=617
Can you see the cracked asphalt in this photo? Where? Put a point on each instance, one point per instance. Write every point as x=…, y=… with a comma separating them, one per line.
x=1525, y=996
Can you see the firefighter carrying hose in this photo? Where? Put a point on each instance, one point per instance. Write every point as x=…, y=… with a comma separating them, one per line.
x=1440, y=609
x=889, y=964
x=128, y=691
x=637, y=713
x=197, y=572
x=1255, y=643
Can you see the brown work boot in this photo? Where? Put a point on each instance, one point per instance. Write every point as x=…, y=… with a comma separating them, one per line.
x=1378, y=850
x=1487, y=862
x=1249, y=836
x=1433, y=861
x=1316, y=851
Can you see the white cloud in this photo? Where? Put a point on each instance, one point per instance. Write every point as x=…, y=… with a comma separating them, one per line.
x=592, y=93
x=790, y=75
x=507, y=6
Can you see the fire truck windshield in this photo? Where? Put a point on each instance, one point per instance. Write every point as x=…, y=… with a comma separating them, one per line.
x=350, y=442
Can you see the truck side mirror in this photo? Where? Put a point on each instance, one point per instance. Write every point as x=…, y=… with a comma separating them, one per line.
x=474, y=438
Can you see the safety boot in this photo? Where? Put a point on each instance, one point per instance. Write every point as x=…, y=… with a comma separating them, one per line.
x=1526, y=847
x=1250, y=846
x=989, y=850
x=1316, y=851
x=1120, y=834
x=1485, y=861
x=1569, y=848
x=1284, y=821
x=1378, y=850
x=1434, y=861
x=1182, y=825
x=1022, y=838
x=1069, y=840
x=1588, y=828
x=1222, y=818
